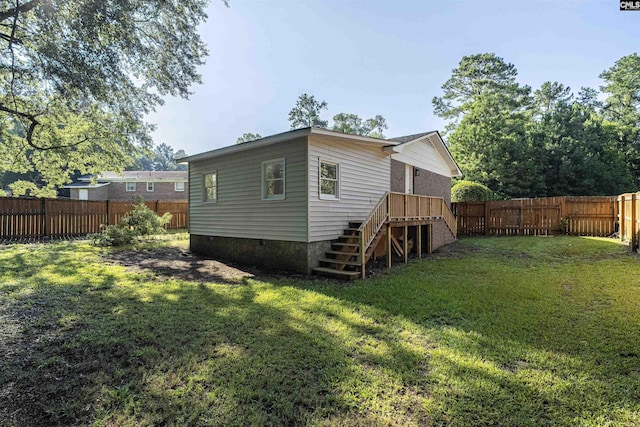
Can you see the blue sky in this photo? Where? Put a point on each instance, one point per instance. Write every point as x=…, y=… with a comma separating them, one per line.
x=385, y=57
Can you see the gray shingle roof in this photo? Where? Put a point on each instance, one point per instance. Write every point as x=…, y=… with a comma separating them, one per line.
x=408, y=138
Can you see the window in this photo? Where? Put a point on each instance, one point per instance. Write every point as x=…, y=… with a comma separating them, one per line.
x=150, y=186
x=130, y=186
x=179, y=186
x=329, y=180
x=273, y=179
x=211, y=187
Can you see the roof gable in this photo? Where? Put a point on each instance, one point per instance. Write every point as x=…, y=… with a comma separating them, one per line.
x=433, y=139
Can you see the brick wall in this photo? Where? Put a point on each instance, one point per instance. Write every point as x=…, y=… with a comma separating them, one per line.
x=427, y=184
x=100, y=193
x=441, y=235
x=161, y=191
x=397, y=176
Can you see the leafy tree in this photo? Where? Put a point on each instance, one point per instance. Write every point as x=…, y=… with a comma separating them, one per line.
x=622, y=109
x=491, y=146
x=479, y=76
x=351, y=123
x=78, y=77
x=576, y=154
x=306, y=112
x=488, y=114
x=165, y=158
x=248, y=137
x=158, y=158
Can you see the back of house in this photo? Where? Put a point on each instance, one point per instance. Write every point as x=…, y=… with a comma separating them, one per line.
x=281, y=202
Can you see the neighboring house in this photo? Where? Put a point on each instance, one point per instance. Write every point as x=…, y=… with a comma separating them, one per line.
x=150, y=185
x=314, y=197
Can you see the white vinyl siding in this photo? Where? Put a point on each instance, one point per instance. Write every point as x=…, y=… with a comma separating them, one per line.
x=240, y=210
x=364, y=177
x=423, y=155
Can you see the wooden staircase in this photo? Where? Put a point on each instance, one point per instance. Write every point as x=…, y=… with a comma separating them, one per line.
x=343, y=261
x=350, y=253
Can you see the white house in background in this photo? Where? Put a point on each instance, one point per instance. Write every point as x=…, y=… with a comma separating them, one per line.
x=150, y=185
x=297, y=200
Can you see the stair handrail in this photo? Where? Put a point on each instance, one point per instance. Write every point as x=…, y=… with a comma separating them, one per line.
x=450, y=219
x=376, y=219
x=437, y=208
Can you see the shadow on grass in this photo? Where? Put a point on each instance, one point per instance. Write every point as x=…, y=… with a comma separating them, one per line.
x=83, y=343
x=523, y=331
x=437, y=342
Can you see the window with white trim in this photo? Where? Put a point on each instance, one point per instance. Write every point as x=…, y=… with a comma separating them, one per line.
x=211, y=187
x=329, y=177
x=130, y=186
x=273, y=184
x=150, y=186
x=179, y=186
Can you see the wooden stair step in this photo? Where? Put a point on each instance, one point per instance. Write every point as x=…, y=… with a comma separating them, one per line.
x=349, y=236
x=340, y=274
x=338, y=261
x=350, y=245
x=342, y=253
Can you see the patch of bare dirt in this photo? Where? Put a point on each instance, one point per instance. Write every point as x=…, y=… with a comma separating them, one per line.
x=178, y=263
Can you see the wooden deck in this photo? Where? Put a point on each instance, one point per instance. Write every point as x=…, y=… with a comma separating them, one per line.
x=392, y=211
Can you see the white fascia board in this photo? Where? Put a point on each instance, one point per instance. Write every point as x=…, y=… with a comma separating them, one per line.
x=282, y=137
x=366, y=140
x=269, y=140
x=445, y=153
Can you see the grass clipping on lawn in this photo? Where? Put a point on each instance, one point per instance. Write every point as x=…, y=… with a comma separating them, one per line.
x=500, y=331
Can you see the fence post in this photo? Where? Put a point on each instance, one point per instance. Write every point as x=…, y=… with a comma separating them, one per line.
x=486, y=217
x=621, y=217
x=521, y=218
x=46, y=228
x=634, y=231
x=108, y=213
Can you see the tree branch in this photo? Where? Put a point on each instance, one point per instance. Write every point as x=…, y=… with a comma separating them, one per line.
x=22, y=8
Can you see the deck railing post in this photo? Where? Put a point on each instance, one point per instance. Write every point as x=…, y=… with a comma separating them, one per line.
x=362, y=258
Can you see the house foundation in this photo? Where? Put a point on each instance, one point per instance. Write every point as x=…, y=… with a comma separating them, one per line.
x=271, y=255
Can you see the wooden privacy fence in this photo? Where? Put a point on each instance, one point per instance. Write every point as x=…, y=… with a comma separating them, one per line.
x=629, y=210
x=33, y=218
x=584, y=216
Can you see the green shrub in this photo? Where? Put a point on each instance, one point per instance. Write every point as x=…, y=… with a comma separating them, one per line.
x=139, y=222
x=113, y=235
x=469, y=191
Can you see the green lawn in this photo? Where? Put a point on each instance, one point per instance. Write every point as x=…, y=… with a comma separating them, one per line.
x=497, y=331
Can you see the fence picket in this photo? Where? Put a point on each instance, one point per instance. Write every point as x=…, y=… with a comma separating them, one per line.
x=34, y=218
x=586, y=216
